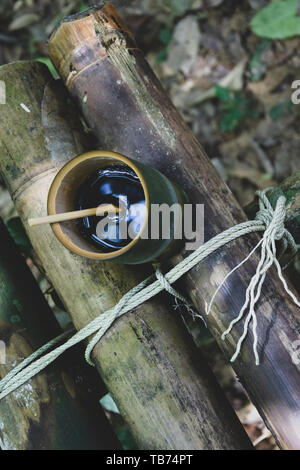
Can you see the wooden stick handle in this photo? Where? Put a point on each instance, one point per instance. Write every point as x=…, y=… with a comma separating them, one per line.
x=51, y=219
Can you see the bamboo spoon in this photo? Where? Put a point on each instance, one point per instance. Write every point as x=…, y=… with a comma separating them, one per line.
x=51, y=219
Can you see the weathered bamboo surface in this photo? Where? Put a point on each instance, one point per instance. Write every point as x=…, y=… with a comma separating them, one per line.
x=48, y=412
x=128, y=110
x=162, y=386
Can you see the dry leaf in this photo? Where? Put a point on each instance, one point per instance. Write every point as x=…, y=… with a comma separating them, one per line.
x=184, y=46
x=233, y=81
x=23, y=21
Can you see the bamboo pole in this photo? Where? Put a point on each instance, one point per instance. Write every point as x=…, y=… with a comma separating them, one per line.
x=49, y=412
x=162, y=387
x=128, y=110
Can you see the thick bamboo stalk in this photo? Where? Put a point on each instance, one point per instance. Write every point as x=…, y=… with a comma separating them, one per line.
x=160, y=383
x=48, y=412
x=128, y=110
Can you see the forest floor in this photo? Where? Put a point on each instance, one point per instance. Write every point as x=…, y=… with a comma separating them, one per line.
x=232, y=87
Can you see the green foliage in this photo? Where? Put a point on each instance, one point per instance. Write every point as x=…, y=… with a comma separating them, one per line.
x=58, y=18
x=257, y=65
x=280, y=110
x=222, y=93
x=126, y=438
x=174, y=8
x=47, y=61
x=83, y=7
x=122, y=431
x=165, y=37
x=178, y=7
x=236, y=108
x=162, y=55
x=279, y=20
x=18, y=233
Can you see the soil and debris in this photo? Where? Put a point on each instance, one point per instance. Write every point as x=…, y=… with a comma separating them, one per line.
x=232, y=86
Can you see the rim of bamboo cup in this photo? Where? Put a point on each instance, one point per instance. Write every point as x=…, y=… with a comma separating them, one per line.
x=55, y=193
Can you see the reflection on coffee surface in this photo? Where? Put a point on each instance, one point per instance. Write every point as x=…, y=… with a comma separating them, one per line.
x=120, y=186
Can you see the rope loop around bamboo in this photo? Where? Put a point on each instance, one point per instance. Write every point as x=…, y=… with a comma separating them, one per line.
x=268, y=220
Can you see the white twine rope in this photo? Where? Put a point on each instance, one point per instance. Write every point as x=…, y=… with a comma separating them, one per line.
x=274, y=221
x=268, y=220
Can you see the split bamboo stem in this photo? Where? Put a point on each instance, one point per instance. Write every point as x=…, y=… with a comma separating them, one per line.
x=129, y=112
x=50, y=411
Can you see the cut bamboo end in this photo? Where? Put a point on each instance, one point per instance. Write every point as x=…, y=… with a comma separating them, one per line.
x=52, y=219
x=77, y=33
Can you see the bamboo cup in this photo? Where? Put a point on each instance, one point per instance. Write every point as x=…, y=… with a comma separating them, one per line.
x=157, y=190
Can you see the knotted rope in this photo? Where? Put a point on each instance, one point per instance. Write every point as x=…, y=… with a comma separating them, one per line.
x=268, y=220
x=275, y=230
